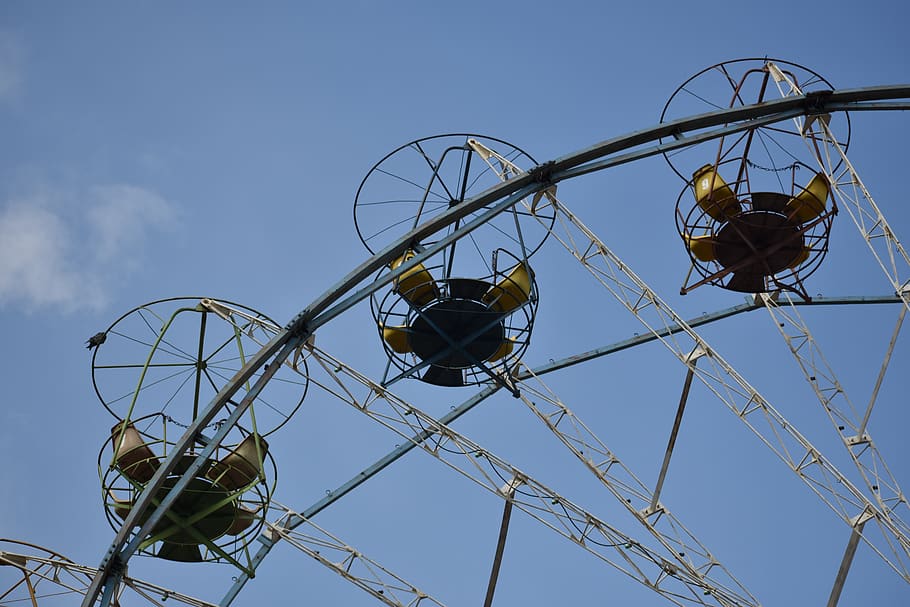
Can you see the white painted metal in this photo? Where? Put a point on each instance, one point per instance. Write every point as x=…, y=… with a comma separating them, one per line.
x=653, y=565
x=346, y=561
x=641, y=502
x=731, y=388
x=833, y=398
x=851, y=192
x=51, y=577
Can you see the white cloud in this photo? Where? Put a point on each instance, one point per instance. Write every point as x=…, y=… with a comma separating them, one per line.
x=120, y=217
x=34, y=263
x=48, y=260
x=11, y=61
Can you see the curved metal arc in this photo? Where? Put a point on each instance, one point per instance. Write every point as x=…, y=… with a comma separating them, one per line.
x=813, y=103
x=575, y=165
x=320, y=311
x=126, y=542
x=399, y=451
x=148, y=360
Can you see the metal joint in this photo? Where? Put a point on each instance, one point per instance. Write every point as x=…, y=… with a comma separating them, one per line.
x=694, y=355
x=651, y=510
x=543, y=173
x=816, y=101
x=859, y=439
x=117, y=567
x=860, y=519
x=298, y=325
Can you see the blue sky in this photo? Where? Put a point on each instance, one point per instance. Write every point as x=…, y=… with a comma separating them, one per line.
x=202, y=149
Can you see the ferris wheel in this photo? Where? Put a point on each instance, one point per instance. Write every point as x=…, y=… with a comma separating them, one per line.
x=459, y=228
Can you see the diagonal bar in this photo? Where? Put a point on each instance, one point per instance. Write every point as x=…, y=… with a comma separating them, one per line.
x=722, y=379
x=768, y=424
x=840, y=411
x=651, y=565
x=346, y=561
x=851, y=191
x=629, y=491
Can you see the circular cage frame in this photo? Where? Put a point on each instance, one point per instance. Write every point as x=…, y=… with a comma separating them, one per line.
x=809, y=80
x=219, y=487
x=190, y=359
x=762, y=242
x=770, y=219
x=508, y=156
x=398, y=309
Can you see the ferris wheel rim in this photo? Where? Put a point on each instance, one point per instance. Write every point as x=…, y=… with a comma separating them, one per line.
x=720, y=66
x=513, y=151
x=303, y=317
x=199, y=299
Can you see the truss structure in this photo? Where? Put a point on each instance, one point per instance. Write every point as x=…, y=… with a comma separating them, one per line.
x=346, y=561
x=731, y=388
x=52, y=577
x=850, y=191
x=641, y=502
x=660, y=565
x=694, y=577
x=850, y=426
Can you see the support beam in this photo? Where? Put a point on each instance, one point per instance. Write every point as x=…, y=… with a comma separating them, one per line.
x=881, y=373
x=656, y=565
x=486, y=205
x=831, y=395
x=400, y=450
x=684, y=397
x=816, y=471
x=509, y=492
x=844, y=568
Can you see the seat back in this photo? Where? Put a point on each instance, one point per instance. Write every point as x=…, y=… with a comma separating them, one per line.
x=241, y=467
x=800, y=257
x=417, y=284
x=132, y=456
x=243, y=519
x=505, y=348
x=512, y=291
x=713, y=195
x=809, y=203
x=702, y=247
x=121, y=507
x=397, y=338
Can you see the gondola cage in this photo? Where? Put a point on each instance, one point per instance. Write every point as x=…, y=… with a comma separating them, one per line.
x=155, y=370
x=463, y=313
x=754, y=215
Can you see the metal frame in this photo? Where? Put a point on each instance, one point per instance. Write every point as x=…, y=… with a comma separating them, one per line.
x=732, y=389
x=518, y=324
x=155, y=320
x=659, y=566
x=346, y=293
x=632, y=494
x=850, y=189
x=469, y=144
x=71, y=578
x=268, y=541
x=346, y=561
